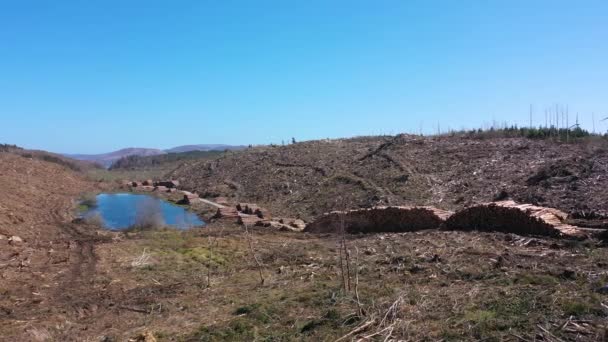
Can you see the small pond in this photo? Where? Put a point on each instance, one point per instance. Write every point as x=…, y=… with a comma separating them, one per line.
x=123, y=210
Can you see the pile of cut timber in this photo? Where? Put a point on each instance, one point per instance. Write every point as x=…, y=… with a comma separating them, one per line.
x=253, y=209
x=221, y=200
x=250, y=220
x=169, y=184
x=295, y=224
x=148, y=182
x=284, y=224
x=188, y=197
x=379, y=219
x=508, y=216
x=226, y=212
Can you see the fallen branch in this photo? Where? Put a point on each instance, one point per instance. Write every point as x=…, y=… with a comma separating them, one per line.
x=134, y=309
x=357, y=330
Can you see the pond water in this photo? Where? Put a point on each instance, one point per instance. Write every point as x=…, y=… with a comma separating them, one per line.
x=123, y=210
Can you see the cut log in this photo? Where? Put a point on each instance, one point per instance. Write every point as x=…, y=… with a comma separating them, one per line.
x=508, y=216
x=247, y=208
x=160, y=188
x=148, y=182
x=169, y=184
x=250, y=220
x=379, y=219
x=262, y=213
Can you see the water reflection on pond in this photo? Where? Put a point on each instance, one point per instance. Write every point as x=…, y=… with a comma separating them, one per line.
x=123, y=210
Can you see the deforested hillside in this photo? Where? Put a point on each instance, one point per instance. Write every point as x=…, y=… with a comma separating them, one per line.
x=135, y=162
x=73, y=164
x=36, y=195
x=448, y=172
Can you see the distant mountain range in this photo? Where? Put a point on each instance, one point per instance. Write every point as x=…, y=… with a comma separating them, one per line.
x=106, y=159
x=204, y=147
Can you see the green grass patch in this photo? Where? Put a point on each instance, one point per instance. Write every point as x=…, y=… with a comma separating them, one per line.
x=537, y=279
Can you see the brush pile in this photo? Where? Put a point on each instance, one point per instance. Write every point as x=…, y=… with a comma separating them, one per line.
x=379, y=219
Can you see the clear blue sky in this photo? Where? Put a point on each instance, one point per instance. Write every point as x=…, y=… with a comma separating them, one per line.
x=93, y=76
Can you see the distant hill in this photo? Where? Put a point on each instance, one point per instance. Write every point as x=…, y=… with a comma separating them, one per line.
x=71, y=163
x=107, y=159
x=161, y=160
x=204, y=147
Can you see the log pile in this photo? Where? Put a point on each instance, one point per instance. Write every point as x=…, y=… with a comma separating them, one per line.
x=295, y=224
x=188, y=197
x=379, y=219
x=508, y=216
x=253, y=209
x=160, y=188
x=226, y=212
x=283, y=224
x=148, y=182
x=221, y=200
x=146, y=188
x=251, y=220
x=169, y=184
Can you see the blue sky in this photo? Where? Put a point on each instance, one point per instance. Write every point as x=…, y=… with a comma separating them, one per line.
x=93, y=76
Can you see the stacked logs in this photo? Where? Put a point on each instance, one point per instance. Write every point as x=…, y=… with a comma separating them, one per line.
x=379, y=219
x=253, y=209
x=169, y=184
x=510, y=217
x=226, y=212
x=188, y=198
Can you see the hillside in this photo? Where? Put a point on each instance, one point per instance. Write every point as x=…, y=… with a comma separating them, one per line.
x=73, y=164
x=35, y=192
x=106, y=159
x=449, y=172
x=204, y=147
x=136, y=162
